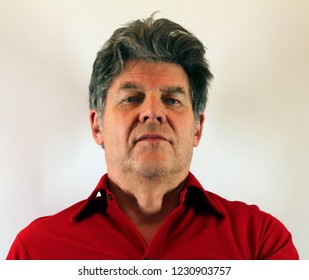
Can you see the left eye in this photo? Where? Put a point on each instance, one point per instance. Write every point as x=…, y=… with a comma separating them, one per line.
x=172, y=101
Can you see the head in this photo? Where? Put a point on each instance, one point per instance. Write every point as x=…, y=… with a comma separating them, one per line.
x=151, y=40
x=148, y=92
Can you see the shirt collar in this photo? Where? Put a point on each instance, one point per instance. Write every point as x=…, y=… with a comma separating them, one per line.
x=193, y=193
x=102, y=190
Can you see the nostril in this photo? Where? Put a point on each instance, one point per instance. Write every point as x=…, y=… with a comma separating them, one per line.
x=152, y=117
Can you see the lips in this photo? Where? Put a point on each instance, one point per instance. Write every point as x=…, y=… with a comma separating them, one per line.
x=151, y=137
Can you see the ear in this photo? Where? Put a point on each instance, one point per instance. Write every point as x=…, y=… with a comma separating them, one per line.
x=96, y=127
x=198, y=129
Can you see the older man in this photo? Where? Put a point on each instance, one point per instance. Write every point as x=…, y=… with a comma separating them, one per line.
x=148, y=93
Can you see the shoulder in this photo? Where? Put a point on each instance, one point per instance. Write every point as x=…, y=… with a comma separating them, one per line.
x=272, y=240
x=232, y=205
x=37, y=234
x=240, y=211
x=49, y=225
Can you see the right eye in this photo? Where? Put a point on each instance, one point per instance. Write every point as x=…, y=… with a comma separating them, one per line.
x=132, y=99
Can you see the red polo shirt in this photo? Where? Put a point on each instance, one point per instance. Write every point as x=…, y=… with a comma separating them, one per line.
x=203, y=226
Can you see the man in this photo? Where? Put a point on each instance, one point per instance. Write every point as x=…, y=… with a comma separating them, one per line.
x=147, y=98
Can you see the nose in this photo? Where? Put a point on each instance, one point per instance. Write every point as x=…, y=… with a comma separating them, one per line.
x=152, y=110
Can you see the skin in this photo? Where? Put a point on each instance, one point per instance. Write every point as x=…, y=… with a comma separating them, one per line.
x=148, y=131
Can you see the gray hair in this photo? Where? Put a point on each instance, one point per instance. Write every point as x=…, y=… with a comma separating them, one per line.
x=151, y=40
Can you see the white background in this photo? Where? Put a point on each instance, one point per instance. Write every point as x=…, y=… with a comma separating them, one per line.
x=255, y=145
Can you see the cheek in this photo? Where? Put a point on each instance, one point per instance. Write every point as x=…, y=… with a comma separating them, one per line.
x=116, y=130
x=186, y=134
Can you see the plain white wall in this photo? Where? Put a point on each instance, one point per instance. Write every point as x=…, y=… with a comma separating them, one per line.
x=255, y=145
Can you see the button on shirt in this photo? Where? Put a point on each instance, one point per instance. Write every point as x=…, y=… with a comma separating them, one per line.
x=203, y=226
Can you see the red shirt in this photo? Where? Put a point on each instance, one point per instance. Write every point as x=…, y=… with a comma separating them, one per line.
x=203, y=226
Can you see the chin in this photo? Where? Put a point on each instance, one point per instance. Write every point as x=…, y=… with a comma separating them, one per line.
x=152, y=174
x=156, y=171
x=150, y=170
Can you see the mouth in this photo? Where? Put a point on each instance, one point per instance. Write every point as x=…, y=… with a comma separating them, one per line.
x=151, y=137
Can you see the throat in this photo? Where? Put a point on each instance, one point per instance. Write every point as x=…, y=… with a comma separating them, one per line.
x=148, y=219
x=147, y=207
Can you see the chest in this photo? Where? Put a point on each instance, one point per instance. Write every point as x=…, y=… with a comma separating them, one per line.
x=182, y=235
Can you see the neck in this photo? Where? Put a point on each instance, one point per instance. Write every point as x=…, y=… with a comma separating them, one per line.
x=146, y=196
x=147, y=202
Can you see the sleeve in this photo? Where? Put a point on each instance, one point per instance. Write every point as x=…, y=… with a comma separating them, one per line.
x=276, y=241
x=18, y=250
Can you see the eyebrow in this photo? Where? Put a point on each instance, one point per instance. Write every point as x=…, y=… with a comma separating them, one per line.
x=129, y=85
x=165, y=90
x=173, y=89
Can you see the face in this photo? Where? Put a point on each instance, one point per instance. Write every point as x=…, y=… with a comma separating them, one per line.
x=148, y=125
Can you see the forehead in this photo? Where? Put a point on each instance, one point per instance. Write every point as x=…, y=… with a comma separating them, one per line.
x=152, y=75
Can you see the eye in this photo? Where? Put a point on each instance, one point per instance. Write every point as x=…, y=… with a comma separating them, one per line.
x=172, y=101
x=132, y=99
